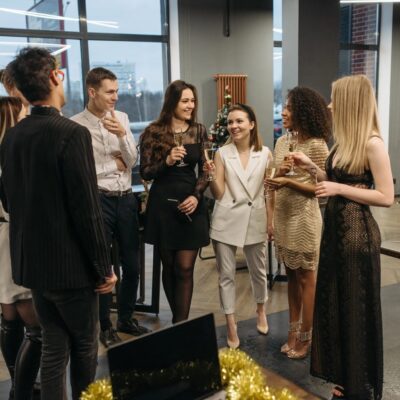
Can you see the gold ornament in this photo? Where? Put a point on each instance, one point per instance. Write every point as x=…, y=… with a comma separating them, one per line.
x=99, y=390
x=241, y=376
x=243, y=379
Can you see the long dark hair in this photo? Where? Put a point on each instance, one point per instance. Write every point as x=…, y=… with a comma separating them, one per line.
x=159, y=133
x=173, y=94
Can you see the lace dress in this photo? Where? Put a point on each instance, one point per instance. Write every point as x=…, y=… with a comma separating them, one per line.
x=165, y=225
x=297, y=217
x=347, y=346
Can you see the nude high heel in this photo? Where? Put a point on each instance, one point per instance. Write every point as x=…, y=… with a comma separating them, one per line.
x=294, y=328
x=233, y=344
x=263, y=329
x=302, y=337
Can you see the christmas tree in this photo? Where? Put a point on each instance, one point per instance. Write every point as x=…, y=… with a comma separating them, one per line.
x=218, y=130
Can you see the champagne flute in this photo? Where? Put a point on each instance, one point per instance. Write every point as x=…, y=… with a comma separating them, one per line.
x=313, y=173
x=209, y=153
x=292, y=139
x=178, y=139
x=270, y=170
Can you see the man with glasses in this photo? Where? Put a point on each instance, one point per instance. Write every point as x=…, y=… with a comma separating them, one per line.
x=57, y=240
x=115, y=155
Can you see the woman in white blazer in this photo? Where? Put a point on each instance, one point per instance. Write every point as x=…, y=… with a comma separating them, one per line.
x=240, y=218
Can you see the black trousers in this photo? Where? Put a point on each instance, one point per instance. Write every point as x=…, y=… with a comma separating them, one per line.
x=70, y=331
x=121, y=223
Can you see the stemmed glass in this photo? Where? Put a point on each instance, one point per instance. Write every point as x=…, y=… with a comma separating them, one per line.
x=178, y=139
x=292, y=139
x=313, y=173
x=209, y=153
x=270, y=170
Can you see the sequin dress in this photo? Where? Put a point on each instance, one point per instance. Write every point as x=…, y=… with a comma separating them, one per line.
x=297, y=217
x=347, y=346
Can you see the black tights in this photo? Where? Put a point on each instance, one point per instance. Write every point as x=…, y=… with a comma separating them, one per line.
x=21, y=350
x=177, y=278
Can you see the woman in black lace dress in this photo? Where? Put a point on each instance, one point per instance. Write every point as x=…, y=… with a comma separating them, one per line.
x=176, y=216
x=347, y=344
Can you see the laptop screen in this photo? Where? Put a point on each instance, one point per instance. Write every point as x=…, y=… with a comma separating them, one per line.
x=178, y=362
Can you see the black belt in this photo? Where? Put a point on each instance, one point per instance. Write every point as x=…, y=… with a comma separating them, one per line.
x=2, y=219
x=115, y=193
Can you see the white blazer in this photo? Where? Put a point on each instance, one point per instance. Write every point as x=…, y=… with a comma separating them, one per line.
x=240, y=217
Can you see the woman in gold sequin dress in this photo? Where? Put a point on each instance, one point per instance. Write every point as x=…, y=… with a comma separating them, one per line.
x=347, y=347
x=297, y=217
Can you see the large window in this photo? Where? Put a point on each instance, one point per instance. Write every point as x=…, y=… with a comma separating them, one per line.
x=359, y=40
x=129, y=37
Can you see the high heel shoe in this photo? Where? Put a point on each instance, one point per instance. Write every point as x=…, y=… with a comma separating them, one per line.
x=294, y=328
x=302, y=337
x=233, y=344
x=263, y=327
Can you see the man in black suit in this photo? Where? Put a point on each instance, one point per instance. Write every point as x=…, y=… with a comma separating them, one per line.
x=57, y=240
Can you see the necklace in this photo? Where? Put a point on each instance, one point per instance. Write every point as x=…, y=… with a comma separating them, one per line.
x=180, y=129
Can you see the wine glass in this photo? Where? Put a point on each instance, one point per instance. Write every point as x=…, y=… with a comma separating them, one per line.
x=292, y=139
x=270, y=170
x=313, y=173
x=209, y=153
x=178, y=139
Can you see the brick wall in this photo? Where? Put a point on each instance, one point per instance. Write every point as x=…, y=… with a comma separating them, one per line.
x=364, y=28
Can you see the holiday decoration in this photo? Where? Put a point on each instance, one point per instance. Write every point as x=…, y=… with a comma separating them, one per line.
x=241, y=376
x=218, y=130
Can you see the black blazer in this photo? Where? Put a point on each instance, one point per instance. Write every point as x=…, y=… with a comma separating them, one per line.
x=49, y=188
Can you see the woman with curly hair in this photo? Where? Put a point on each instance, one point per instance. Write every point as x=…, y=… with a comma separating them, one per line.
x=176, y=216
x=297, y=217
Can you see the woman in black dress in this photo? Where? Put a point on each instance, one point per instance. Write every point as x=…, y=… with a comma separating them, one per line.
x=347, y=346
x=176, y=216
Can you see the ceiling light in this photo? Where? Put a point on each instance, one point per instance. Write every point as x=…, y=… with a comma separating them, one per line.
x=368, y=1
x=107, y=24
x=60, y=47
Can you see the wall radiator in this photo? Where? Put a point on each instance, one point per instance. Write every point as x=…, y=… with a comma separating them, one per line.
x=237, y=88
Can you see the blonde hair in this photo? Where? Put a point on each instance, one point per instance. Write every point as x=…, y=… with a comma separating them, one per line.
x=355, y=120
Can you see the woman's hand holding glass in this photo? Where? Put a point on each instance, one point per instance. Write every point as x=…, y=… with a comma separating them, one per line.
x=301, y=160
x=292, y=139
x=277, y=183
x=178, y=139
x=176, y=155
x=284, y=167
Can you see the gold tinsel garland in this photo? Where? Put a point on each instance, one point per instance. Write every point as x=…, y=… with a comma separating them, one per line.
x=241, y=377
x=99, y=390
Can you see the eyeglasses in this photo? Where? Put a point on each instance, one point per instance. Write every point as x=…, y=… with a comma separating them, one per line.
x=60, y=74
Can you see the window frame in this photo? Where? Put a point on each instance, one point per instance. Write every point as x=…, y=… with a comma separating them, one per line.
x=84, y=37
x=363, y=46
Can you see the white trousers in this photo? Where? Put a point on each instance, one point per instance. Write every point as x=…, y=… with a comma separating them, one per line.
x=226, y=265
